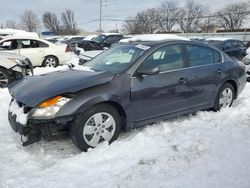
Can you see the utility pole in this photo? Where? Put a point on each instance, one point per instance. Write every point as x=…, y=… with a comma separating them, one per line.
x=100, y=23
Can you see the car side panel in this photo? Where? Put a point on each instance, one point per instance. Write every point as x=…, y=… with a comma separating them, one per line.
x=117, y=90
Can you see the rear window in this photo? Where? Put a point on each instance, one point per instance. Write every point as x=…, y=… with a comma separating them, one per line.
x=201, y=55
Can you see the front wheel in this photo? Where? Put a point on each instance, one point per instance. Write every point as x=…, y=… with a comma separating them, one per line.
x=99, y=123
x=5, y=78
x=225, y=97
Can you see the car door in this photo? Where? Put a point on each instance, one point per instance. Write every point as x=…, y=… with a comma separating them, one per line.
x=163, y=93
x=204, y=75
x=33, y=50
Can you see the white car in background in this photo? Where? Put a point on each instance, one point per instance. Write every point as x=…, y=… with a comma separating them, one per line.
x=39, y=51
x=13, y=67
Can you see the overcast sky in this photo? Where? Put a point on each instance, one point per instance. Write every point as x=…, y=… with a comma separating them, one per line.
x=87, y=11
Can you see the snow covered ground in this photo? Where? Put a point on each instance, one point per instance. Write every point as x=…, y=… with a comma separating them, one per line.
x=198, y=151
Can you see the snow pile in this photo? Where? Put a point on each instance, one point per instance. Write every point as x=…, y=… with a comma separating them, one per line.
x=205, y=150
x=209, y=149
x=153, y=37
x=16, y=110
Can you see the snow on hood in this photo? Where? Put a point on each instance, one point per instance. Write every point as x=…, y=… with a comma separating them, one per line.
x=153, y=37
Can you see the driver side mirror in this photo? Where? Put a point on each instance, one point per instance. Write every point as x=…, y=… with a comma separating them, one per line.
x=147, y=71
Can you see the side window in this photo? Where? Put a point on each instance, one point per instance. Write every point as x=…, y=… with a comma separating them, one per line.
x=9, y=45
x=42, y=44
x=200, y=55
x=26, y=43
x=217, y=56
x=166, y=58
x=240, y=44
x=234, y=43
x=227, y=45
x=112, y=39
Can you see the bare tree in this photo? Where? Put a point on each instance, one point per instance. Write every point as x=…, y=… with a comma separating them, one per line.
x=11, y=24
x=29, y=21
x=191, y=16
x=51, y=22
x=144, y=22
x=169, y=12
x=69, y=22
x=232, y=17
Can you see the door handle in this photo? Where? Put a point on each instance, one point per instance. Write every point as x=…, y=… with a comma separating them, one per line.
x=182, y=80
x=219, y=71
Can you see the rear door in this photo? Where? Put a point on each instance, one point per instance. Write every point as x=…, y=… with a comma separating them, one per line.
x=204, y=75
x=33, y=49
x=166, y=92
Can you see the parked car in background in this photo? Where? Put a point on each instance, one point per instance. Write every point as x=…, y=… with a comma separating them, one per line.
x=107, y=39
x=87, y=44
x=13, y=67
x=130, y=85
x=39, y=51
x=232, y=47
x=53, y=39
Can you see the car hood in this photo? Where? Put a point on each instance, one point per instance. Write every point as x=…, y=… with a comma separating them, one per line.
x=33, y=90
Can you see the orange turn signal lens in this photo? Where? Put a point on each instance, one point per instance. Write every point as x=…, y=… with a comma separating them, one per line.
x=50, y=102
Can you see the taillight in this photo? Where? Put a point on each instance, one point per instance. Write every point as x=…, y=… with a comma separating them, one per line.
x=67, y=49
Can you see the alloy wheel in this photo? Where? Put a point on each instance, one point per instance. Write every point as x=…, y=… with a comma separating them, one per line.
x=50, y=62
x=3, y=80
x=226, y=98
x=99, y=127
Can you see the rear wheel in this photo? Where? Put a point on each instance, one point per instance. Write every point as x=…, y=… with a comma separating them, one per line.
x=99, y=123
x=50, y=61
x=5, y=78
x=225, y=97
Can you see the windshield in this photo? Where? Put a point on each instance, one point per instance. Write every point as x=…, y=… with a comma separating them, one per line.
x=116, y=59
x=100, y=38
x=215, y=43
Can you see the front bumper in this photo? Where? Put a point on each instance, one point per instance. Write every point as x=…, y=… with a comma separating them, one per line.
x=36, y=130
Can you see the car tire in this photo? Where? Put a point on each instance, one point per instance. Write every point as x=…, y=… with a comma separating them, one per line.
x=50, y=61
x=5, y=78
x=99, y=123
x=225, y=97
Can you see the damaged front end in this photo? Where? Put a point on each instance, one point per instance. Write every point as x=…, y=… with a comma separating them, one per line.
x=34, y=130
x=21, y=69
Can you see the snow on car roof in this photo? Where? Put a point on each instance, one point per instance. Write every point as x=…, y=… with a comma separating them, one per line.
x=153, y=37
x=111, y=34
x=90, y=37
x=219, y=38
x=20, y=37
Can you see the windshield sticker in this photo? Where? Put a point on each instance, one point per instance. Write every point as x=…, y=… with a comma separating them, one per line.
x=143, y=47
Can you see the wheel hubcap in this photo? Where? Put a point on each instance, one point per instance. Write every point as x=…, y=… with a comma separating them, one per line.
x=50, y=62
x=226, y=98
x=3, y=80
x=99, y=127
